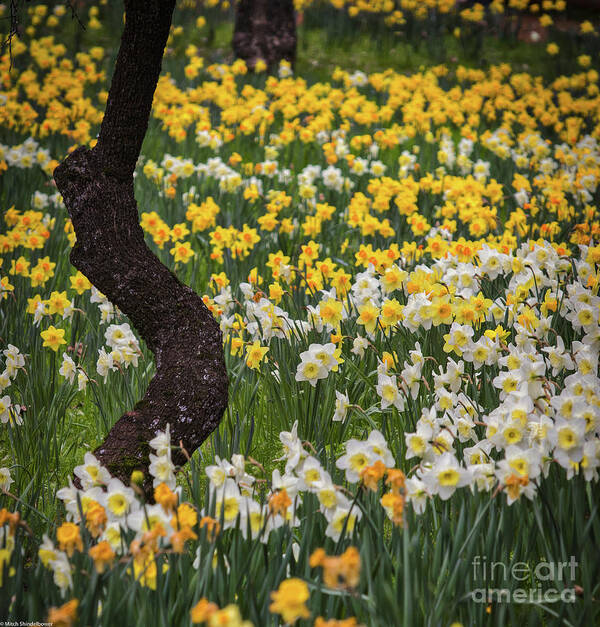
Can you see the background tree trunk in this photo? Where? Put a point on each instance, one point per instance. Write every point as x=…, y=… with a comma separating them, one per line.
x=265, y=29
x=189, y=389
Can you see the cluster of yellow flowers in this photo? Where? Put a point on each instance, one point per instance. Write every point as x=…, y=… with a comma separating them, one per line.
x=29, y=230
x=396, y=13
x=337, y=224
x=55, y=85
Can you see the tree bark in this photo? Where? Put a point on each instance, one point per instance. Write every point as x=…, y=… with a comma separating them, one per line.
x=265, y=29
x=189, y=389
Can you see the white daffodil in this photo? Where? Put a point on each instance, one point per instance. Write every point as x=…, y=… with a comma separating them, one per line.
x=228, y=501
x=342, y=521
x=293, y=450
x=309, y=473
x=162, y=469
x=5, y=479
x=219, y=472
x=105, y=363
x=359, y=455
x=68, y=368
x=445, y=476
x=568, y=438
x=120, y=500
x=342, y=402
x=161, y=443
x=416, y=494
x=311, y=369
x=379, y=448
x=388, y=391
x=91, y=472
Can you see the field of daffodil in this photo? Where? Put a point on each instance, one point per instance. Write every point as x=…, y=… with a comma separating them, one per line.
x=405, y=268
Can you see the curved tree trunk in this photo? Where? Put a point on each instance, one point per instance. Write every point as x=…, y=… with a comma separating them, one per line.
x=265, y=29
x=189, y=389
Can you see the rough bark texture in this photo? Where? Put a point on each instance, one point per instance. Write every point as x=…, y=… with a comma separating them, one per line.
x=189, y=389
x=265, y=29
